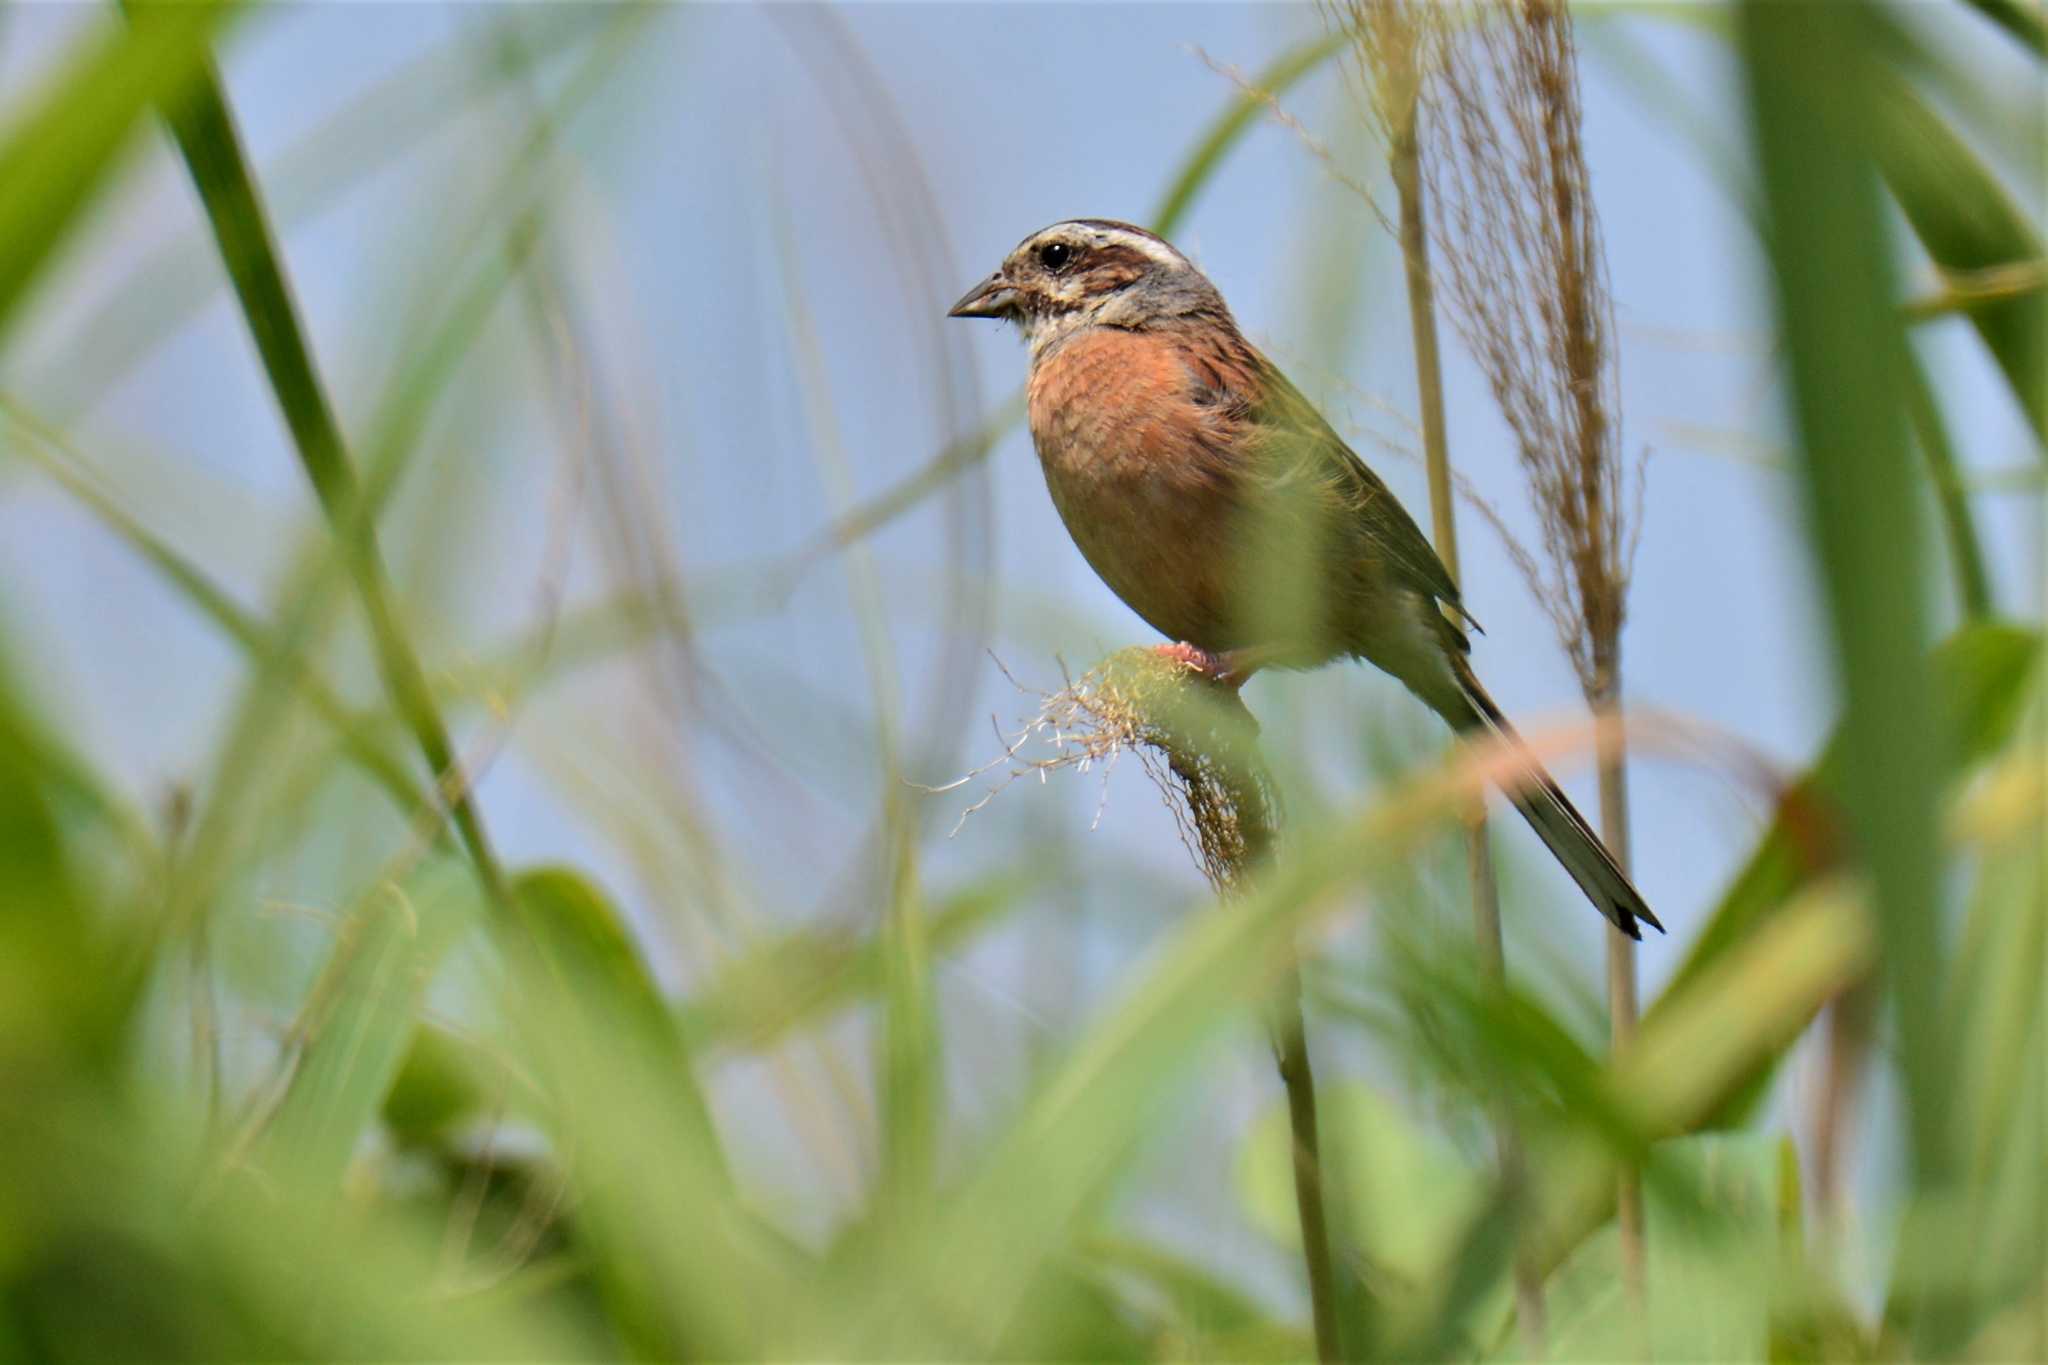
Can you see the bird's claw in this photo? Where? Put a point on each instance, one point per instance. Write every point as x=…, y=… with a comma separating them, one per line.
x=1215, y=668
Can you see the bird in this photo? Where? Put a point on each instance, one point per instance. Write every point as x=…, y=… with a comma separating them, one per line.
x=1213, y=498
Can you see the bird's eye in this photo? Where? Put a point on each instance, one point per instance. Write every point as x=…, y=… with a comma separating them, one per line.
x=1055, y=255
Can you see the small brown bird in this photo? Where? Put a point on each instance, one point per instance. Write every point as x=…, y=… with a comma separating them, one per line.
x=1217, y=503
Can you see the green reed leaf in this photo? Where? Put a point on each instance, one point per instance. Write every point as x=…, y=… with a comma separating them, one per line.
x=1811, y=120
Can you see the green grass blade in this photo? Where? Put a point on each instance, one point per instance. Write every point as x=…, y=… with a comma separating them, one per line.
x=2000, y=997
x=908, y=1062
x=2022, y=21
x=213, y=154
x=448, y=332
x=1713, y=1242
x=1966, y=221
x=398, y=114
x=1202, y=1306
x=1058, y=1155
x=1700, y=1050
x=801, y=979
x=56, y=155
x=1203, y=160
x=1812, y=124
x=685, y=1269
x=1965, y=548
x=1981, y=675
x=359, y=1022
x=59, y=1005
x=582, y=939
x=1956, y=206
x=59, y=460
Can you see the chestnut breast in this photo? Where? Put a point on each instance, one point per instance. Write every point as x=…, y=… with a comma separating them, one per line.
x=1136, y=465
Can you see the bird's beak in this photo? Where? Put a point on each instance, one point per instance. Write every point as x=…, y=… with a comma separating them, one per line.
x=992, y=298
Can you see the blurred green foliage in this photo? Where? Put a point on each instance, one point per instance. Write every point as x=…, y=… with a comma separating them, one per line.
x=487, y=1130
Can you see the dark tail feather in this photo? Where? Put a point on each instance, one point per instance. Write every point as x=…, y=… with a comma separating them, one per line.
x=1557, y=822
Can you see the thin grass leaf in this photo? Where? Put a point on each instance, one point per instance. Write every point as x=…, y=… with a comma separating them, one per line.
x=582, y=939
x=206, y=136
x=1966, y=552
x=1415, y=1192
x=58, y=1003
x=2021, y=21
x=359, y=1022
x=59, y=460
x=908, y=1075
x=1812, y=123
x=1982, y=676
x=438, y=1089
x=1998, y=996
x=1956, y=206
x=449, y=328
x=685, y=1269
x=148, y=1267
x=804, y=978
x=1713, y=1251
x=409, y=107
x=57, y=154
x=1966, y=221
x=1703, y=1046
x=1200, y=164
x=1997, y=116
x=1202, y=1306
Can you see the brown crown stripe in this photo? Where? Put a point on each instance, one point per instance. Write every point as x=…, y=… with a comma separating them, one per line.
x=1114, y=225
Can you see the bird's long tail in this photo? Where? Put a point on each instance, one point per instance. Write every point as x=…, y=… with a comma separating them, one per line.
x=1556, y=821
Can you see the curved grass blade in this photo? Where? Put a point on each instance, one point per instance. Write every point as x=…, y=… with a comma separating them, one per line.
x=215, y=603
x=1982, y=675
x=59, y=1007
x=1973, y=580
x=387, y=121
x=687, y=1271
x=1967, y=223
x=909, y=1064
x=449, y=335
x=1821, y=132
x=807, y=976
x=1200, y=164
x=58, y=153
x=206, y=137
x=2022, y=21
x=1702, y=1047
x=358, y=1023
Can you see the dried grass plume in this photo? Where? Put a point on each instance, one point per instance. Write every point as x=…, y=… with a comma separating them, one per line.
x=1523, y=267
x=1197, y=742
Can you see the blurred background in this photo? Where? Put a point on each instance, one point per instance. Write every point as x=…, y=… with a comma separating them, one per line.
x=716, y=546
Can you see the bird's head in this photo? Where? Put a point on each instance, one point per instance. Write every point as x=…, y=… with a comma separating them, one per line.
x=1090, y=272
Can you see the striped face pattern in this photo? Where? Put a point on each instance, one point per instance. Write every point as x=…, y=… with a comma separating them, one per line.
x=1088, y=272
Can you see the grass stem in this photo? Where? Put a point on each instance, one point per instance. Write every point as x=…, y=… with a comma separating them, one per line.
x=205, y=133
x=1406, y=160
x=1973, y=581
x=1290, y=1050
x=1623, y=1002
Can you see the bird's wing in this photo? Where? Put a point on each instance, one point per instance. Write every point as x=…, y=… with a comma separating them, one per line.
x=1299, y=446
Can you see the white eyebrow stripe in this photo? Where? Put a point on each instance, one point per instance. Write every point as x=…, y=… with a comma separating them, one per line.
x=1154, y=250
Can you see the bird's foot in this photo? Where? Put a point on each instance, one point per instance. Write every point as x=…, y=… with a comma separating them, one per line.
x=1225, y=670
